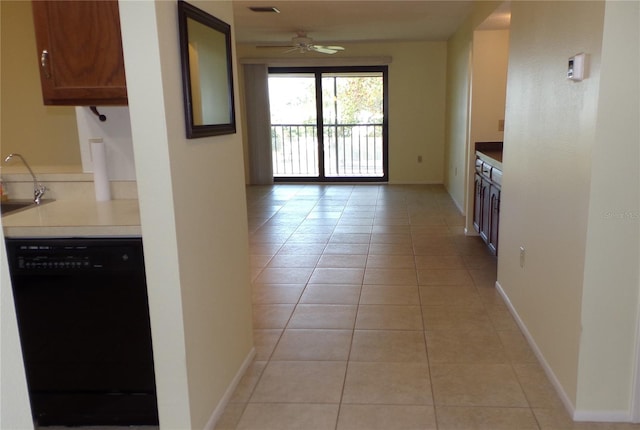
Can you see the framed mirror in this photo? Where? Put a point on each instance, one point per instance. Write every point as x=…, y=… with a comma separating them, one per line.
x=207, y=74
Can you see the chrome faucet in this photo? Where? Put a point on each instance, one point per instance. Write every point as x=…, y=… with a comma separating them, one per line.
x=38, y=188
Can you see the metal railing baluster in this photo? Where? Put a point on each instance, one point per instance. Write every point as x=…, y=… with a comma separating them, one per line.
x=352, y=150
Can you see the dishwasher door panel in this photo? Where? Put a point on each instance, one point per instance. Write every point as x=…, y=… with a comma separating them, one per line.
x=83, y=320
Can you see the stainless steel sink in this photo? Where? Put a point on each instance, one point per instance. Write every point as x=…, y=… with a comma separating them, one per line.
x=12, y=206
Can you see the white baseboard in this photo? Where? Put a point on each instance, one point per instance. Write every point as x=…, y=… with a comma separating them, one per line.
x=218, y=411
x=635, y=398
x=568, y=404
x=578, y=415
x=602, y=416
x=455, y=202
x=471, y=232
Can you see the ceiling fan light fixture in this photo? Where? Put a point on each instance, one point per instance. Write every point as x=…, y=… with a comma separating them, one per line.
x=267, y=9
x=302, y=41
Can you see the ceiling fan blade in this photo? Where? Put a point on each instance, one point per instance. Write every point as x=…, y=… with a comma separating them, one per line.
x=279, y=46
x=335, y=48
x=294, y=49
x=324, y=49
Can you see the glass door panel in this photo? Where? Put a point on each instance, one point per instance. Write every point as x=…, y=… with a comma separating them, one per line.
x=294, y=129
x=353, y=117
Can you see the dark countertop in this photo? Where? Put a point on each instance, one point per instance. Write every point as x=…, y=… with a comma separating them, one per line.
x=490, y=153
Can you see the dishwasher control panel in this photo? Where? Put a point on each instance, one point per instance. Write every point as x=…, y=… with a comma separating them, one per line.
x=48, y=256
x=53, y=262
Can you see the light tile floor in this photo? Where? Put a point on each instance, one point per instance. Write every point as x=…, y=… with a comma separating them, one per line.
x=372, y=310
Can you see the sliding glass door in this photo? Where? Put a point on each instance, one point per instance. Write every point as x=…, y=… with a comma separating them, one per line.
x=329, y=124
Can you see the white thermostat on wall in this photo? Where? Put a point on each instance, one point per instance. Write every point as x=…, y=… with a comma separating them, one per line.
x=575, y=71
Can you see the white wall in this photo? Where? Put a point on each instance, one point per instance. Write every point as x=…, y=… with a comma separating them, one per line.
x=570, y=197
x=611, y=276
x=193, y=213
x=116, y=135
x=489, y=84
x=417, y=83
x=549, y=135
x=457, y=110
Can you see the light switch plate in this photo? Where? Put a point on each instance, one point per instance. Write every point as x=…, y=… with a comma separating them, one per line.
x=575, y=70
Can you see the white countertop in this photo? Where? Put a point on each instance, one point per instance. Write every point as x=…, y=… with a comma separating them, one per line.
x=18, y=172
x=75, y=218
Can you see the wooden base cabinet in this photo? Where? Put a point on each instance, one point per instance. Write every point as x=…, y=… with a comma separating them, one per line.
x=486, y=213
x=494, y=218
x=79, y=48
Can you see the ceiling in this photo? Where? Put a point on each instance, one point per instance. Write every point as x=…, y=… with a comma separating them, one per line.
x=336, y=21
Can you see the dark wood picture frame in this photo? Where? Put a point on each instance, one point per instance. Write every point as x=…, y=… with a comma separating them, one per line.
x=205, y=42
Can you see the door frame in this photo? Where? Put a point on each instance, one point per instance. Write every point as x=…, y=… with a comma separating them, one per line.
x=318, y=71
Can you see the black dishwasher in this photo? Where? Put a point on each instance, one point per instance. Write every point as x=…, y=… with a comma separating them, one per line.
x=83, y=320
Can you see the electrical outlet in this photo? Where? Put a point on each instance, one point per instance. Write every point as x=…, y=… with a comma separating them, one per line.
x=419, y=158
x=522, y=252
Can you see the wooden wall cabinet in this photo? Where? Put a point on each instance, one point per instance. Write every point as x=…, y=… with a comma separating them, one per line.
x=486, y=213
x=79, y=49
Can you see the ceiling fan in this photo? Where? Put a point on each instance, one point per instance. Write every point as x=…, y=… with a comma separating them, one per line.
x=302, y=43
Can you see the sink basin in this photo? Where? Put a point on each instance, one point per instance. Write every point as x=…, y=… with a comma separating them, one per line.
x=12, y=206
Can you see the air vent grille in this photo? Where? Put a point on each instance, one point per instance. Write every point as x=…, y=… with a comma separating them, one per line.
x=268, y=9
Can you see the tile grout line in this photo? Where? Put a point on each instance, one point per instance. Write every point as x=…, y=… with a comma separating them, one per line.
x=346, y=370
x=424, y=336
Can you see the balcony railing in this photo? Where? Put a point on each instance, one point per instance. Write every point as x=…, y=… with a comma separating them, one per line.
x=350, y=150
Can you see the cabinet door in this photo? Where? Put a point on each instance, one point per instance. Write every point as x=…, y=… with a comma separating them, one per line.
x=80, y=52
x=494, y=218
x=485, y=211
x=477, y=203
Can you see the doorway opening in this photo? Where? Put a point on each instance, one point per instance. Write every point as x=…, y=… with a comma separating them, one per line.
x=329, y=124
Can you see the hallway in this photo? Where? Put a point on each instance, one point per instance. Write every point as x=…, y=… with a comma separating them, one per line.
x=373, y=310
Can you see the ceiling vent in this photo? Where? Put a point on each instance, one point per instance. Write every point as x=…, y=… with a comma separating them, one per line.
x=268, y=9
